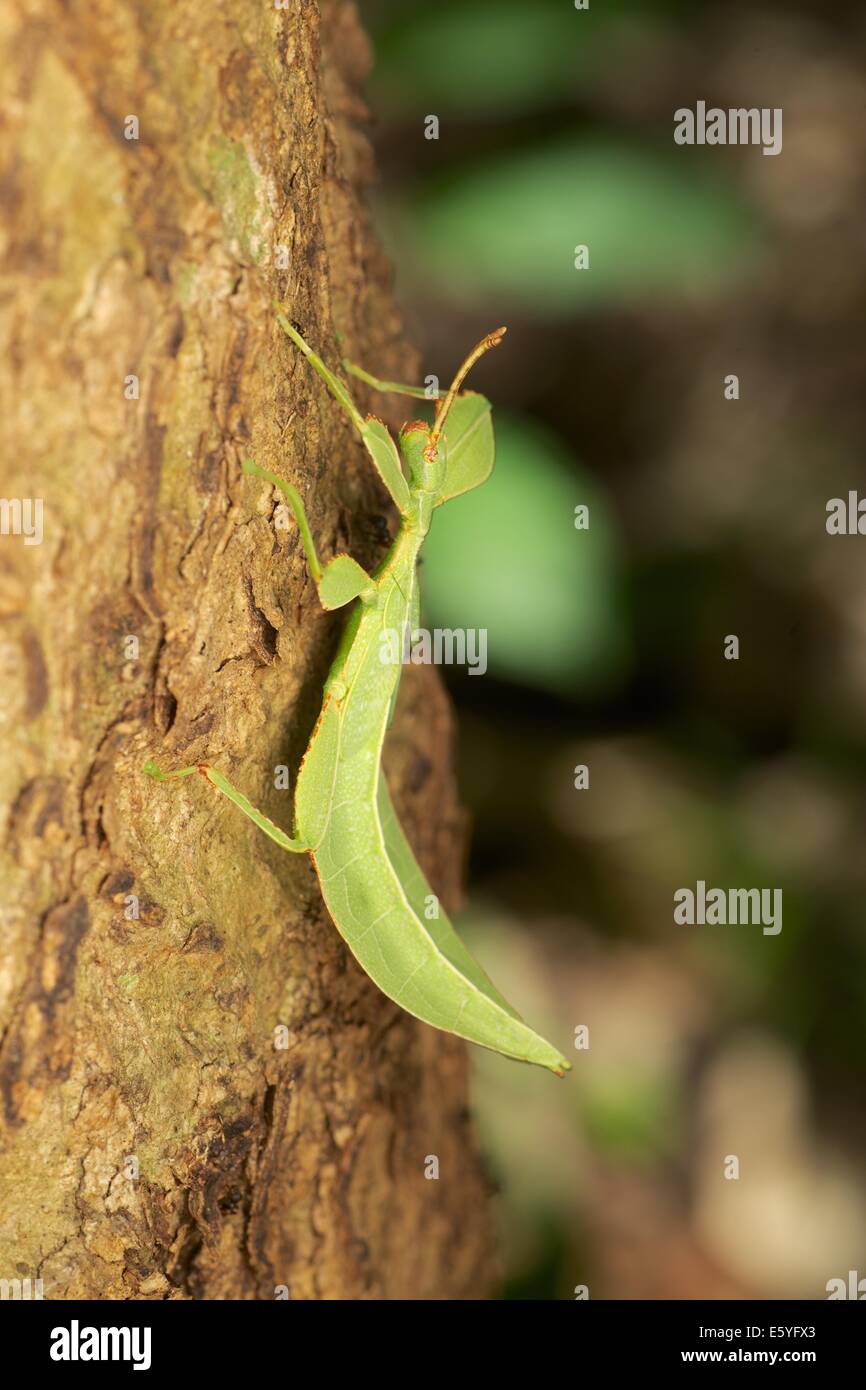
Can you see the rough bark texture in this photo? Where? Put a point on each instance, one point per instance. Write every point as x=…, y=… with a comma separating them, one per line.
x=157, y=1143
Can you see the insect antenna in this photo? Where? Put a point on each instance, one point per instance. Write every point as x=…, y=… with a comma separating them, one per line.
x=491, y=340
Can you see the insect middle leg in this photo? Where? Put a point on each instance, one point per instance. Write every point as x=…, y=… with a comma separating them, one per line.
x=393, y=388
x=342, y=579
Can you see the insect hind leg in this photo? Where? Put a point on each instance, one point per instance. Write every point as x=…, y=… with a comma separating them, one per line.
x=222, y=784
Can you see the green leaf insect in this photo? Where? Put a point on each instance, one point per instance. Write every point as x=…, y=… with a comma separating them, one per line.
x=373, y=886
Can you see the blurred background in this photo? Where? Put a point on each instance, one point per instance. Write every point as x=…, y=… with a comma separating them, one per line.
x=707, y=518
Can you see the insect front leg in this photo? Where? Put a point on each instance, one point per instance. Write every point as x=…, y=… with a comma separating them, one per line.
x=222, y=784
x=377, y=441
x=333, y=383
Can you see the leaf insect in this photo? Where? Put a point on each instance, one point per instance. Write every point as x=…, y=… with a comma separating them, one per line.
x=372, y=884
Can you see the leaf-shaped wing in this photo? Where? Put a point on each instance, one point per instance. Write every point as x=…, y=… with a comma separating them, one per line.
x=468, y=437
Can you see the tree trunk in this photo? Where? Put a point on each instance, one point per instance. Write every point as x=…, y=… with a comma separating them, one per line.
x=203, y=1096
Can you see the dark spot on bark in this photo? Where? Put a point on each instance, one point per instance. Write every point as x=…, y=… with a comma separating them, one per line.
x=119, y=882
x=175, y=339
x=234, y=369
x=184, y=1274
x=60, y=936
x=165, y=709
x=138, y=1263
x=68, y=924
x=268, y=1105
x=37, y=804
x=201, y=725
x=203, y=937
x=266, y=634
x=234, y=1128
x=208, y=472
x=35, y=675
x=221, y=1173
x=154, y=434
x=10, y=1071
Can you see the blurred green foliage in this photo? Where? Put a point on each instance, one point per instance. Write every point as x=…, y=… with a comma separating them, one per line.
x=507, y=558
x=507, y=228
x=485, y=60
x=632, y=1116
x=605, y=646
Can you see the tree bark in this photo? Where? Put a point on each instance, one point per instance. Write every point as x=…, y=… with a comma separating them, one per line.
x=203, y=1096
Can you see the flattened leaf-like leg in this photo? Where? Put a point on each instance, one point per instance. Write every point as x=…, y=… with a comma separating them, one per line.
x=344, y=580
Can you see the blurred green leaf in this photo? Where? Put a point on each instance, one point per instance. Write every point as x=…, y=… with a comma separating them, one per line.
x=527, y=51
x=634, y=1116
x=509, y=228
x=507, y=558
x=496, y=56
